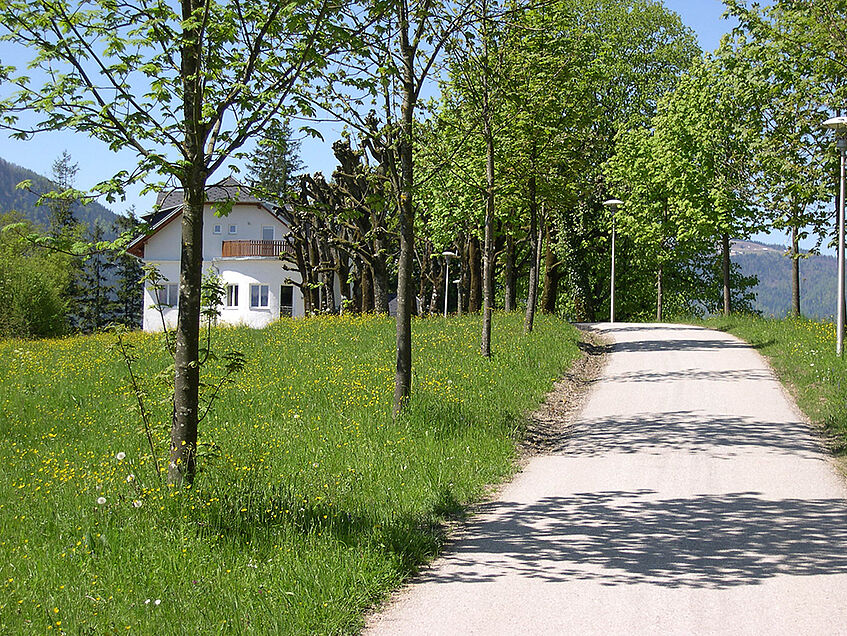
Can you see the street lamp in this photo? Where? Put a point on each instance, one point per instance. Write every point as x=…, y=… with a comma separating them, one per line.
x=839, y=125
x=613, y=205
x=447, y=256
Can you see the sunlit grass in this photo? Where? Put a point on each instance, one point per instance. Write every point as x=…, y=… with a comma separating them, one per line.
x=311, y=503
x=802, y=353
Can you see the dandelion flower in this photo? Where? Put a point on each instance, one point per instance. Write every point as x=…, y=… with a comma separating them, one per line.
x=136, y=504
x=120, y=456
x=130, y=477
x=101, y=501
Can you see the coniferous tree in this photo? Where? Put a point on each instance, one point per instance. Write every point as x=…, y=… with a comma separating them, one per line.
x=275, y=162
x=64, y=172
x=94, y=292
x=127, y=299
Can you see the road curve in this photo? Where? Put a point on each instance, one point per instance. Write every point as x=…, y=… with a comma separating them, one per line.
x=690, y=499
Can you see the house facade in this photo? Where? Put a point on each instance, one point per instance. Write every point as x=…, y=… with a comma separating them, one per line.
x=243, y=248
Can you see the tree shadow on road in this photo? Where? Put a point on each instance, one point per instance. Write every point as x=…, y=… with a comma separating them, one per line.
x=687, y=431
x=706, y=541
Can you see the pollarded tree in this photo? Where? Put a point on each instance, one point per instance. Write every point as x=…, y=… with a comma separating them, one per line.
x=182, y=85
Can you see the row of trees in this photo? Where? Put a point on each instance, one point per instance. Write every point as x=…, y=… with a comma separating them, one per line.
x=546, y=109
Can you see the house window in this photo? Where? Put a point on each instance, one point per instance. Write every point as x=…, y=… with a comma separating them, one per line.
x=286, y=300
x=259, y=296
x=267, y=233
x=233, y=229
x=167, y=295
x=217, y=229
x=232, y=295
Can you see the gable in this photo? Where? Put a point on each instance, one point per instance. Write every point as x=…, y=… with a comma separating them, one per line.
x=164, y=219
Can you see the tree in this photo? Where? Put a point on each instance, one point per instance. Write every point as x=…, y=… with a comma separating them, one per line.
x=128, y=304
x=403, y=43
x=182, y=85
x=94, y=294
x=31, y=283
x=274, y=163
x=790, y=48
x=64, y=173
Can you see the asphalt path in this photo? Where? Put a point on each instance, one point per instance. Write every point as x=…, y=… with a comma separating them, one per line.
x=690, y=498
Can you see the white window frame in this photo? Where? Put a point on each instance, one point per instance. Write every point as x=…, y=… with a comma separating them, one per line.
x=267, y=296
x=167, y=295
x=231, y=300
x=218, y=229
x=233, y=229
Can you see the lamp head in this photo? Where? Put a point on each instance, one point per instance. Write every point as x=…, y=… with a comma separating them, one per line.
x=449, y=254
x=613, y=204
x=838, y=124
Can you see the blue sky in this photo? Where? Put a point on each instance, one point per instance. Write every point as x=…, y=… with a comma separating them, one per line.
x=96, y=162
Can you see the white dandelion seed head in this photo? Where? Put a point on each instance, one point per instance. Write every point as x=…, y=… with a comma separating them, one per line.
x=101, y=501
x=120, y=456
x=136, y=504
x=147, y=602
x=157, y=601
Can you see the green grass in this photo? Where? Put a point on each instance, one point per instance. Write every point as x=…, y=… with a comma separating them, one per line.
x=802, y=353
x=311, y=504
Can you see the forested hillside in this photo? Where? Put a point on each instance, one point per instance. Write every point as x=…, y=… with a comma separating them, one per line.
x=772, y=266
x=25, y=201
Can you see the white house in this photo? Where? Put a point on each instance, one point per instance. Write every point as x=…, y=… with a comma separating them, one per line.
x=243, y=248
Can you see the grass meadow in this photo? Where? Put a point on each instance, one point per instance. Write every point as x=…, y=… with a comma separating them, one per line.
x=802, y=353
x=311, y=504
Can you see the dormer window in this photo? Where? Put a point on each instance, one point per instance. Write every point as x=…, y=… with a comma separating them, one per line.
x=217, y=229
x=233, y=229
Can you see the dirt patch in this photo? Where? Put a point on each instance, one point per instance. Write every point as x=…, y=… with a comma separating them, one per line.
x=549, y=427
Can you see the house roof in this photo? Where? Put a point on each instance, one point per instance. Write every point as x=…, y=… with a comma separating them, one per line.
x=227, y=190
x=169, y=205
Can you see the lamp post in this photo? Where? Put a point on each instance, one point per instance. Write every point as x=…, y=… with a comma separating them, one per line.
x=613, y=205
x=447, y=256
x=839, y=125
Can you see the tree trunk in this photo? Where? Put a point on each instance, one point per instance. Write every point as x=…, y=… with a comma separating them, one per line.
x=344, y=280
x=795, y=273
x=727, y=291
x=436, y=301
x=183, y=452
x=550, y=289
x=509, y=274
x=474, y=262
x=300, y=257
x=403, y=372
x=379, y=271
x=367, y=305
x=529, y=317
x=659, y=292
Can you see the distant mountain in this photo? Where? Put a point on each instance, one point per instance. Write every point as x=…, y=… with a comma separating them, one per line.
x=24, y=201
x=772, y=266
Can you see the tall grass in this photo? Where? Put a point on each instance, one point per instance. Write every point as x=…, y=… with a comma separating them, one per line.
x=802, y=353
x=311, y=503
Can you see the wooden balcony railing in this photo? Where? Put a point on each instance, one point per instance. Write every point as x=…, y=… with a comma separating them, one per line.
x=267, y=249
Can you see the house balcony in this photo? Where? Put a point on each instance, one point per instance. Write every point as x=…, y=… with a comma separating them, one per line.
x=255, y=249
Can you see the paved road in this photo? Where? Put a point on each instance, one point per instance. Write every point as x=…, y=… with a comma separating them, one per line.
x=691, y=499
